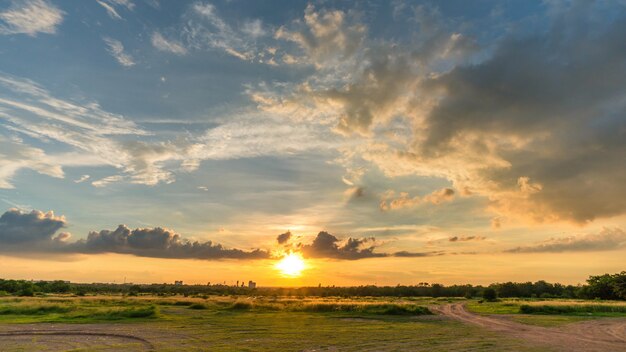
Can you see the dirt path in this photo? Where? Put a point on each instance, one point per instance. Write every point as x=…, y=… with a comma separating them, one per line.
x=602, y=335
x=64, y=337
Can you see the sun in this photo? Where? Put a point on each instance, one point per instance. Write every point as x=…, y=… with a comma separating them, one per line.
x=291, y=265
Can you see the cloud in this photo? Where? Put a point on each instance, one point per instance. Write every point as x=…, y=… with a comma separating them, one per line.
x=172, y=46
x=14, y=156
x=82, y=179
x=116, y=49
x=284, y=237
x=17, y=227
x=110, y=7
x=253, y=28
x=35, y=232
x=31, y=17
x=205, y=29
x=110, y=10
x=160, y=243
x=326, y=245
x=606, y=240
x=105, y=181
x=465, y=238
x=531, y=121
x=325, y=35
x=390, y=202
x=84, y=128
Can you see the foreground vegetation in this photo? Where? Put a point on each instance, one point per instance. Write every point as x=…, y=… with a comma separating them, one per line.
x=256, y=323
x=268, y=323
x=549, y=312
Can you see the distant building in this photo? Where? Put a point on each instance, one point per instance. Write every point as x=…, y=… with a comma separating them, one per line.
x=178, y=283
x=251, y=284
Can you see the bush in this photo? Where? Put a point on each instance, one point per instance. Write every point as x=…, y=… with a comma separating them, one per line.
x=241, y=306
x=197, y=306
x=26, y=292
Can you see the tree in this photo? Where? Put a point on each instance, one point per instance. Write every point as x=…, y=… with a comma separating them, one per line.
x=489, y=294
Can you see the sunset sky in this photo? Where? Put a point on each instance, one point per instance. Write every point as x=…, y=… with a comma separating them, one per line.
x=387, y=142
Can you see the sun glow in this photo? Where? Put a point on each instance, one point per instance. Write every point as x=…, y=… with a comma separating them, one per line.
x=291, y=265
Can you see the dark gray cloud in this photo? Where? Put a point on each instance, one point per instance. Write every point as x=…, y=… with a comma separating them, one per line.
x=552, y=104
x=158, y=242
x=17, y=227
x=465, y=238
x=284, y=237
x=326, y=245
x=35, y=232
x=608, y=239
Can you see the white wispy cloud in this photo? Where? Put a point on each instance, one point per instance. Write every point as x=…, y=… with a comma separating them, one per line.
x=169, y=45
x=110, y=10
x=116, y=49
x=82, y=179
x=31, y=17
x=606, y=240
x=15, y=155
x=111, y=7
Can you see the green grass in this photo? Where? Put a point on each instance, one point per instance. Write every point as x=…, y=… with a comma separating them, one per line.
x=550, y=312
x=222, y=323
x=493, y=307
x=575, y=309
x=549, y=320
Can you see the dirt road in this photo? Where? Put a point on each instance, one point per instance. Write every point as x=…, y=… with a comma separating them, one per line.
x=602, y=335
x=65, y=337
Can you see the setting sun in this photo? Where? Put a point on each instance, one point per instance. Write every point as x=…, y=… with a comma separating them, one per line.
x=291, y=265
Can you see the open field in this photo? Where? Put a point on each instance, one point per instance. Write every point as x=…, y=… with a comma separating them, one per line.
x=225, y=323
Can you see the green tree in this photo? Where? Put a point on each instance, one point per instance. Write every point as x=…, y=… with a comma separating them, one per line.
x=489, y=294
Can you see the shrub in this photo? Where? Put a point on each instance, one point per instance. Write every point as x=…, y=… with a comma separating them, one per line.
x=197, y=306
x=239, y=305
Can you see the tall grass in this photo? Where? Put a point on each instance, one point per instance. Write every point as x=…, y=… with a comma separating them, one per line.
x=337, y=307
x=38, y=309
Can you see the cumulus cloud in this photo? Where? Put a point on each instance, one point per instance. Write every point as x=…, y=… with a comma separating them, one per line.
x=606, y=240
x=116, y=49
x=168, y=45
x=389, y=200
x=325, y=245
x=160, y=243
x=37, y=232
x=30, y=17
x=17, y=227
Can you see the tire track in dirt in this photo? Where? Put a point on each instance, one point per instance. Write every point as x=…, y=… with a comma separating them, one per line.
x=143, y=341
x=601, y=335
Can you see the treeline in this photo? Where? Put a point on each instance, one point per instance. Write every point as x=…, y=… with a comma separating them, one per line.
x=607, y=286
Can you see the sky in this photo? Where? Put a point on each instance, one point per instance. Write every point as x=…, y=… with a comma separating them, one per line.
x=387, y=142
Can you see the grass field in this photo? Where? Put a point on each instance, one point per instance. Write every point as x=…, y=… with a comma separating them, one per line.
x=549, y=312
x=256, y=324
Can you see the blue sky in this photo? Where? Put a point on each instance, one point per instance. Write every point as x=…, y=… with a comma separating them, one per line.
x=453, y=129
